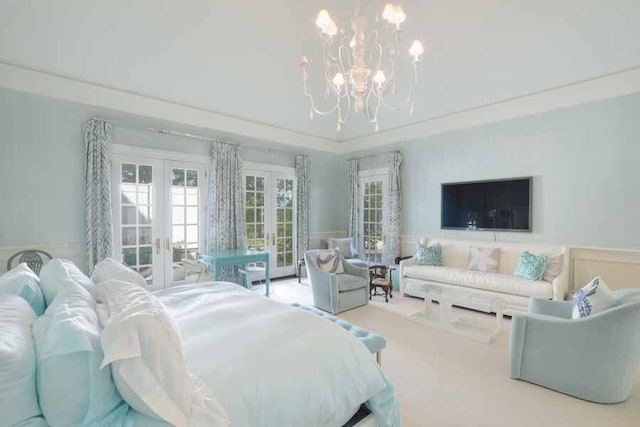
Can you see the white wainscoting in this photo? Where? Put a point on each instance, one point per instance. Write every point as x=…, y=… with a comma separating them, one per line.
x=75, y=252
x=619, y=268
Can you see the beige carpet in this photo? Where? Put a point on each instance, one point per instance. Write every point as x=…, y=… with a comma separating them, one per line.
x=446, y=380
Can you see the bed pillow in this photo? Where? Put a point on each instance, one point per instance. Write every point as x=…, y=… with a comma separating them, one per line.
x=330, y=261
x=345, y=246
x=18, y=395
x=73, y=390
x=429, y=255
x=531, y=266
x=484, y=259
x=593, y=298
x=58, y=272
x=142, y=342
x=23, y=282
x=110, y=269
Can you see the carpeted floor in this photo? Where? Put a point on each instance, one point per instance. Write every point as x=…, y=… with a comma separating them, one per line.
x=445, y=380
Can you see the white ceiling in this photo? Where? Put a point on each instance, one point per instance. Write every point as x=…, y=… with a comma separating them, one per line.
x=239, y=58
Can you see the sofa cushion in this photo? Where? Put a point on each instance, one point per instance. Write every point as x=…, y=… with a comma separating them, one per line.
x=329, y=261
x=345, y=246
x=429, y=255
x=484, y=259
x=347, y=282
x=496, y=282
x=593, y=298
x=531, y=266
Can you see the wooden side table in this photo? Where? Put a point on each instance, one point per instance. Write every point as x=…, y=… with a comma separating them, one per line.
x=378, y=280
x=301, y=263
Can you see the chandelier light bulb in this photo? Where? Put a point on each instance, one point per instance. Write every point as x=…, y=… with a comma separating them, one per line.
x=379, y=78
x=338, y=81
x=388, y=12
x=323, y=20
x=399, y=17
x=416, y=50
x=331, y=30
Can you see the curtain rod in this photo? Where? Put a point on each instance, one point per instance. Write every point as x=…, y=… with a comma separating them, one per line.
x=188, y=135
x=373, y=155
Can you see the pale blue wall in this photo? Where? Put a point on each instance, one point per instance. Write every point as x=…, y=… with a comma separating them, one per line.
x=41, y=158
x=585, y=161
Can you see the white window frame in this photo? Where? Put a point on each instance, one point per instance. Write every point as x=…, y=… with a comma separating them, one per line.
x=368, y=176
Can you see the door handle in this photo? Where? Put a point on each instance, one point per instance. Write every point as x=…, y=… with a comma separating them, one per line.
x=167, y=244
x=158, y=246
x=273, y=239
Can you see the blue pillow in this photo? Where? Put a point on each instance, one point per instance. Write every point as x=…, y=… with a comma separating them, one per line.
x=531, y=266
x=56, y=273
x=23, y=282
x=429, y=255
x=72, y=388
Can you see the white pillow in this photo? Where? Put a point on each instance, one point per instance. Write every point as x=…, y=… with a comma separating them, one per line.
x=72, y=388
x=110, y=269
x=23, y=282
x=593, y=298
x=56, y=273
x=484, y=259
x=330, y=261
x=554, y=267
x=18, y=396
x=142, y=342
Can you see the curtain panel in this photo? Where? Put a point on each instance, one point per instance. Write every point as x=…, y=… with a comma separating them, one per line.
x=353, y=201
x=97, y=184
x=226, y=225
x=303, y=203
x=394, y=220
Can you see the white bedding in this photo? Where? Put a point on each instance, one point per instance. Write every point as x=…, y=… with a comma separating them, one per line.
x=270, y=364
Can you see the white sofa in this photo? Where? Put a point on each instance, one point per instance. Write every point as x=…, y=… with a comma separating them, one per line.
x=454, y=273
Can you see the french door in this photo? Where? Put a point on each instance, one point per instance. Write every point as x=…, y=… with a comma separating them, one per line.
x=372, y=216
x=158, y=215
x=271, y=217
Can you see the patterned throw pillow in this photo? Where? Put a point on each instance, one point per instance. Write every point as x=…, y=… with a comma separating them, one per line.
x=531, y=266
x=484, y=259
x=593, y=298
x=330, y=261
x=429, y=255
x=554, y=267
x=345, y=246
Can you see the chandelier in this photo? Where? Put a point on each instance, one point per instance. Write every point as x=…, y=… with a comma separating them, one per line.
x=360, y=64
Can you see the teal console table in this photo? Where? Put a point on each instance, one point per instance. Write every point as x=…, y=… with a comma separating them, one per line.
x=217, y=259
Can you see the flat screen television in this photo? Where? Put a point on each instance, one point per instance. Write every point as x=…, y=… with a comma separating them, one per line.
x=503, y=204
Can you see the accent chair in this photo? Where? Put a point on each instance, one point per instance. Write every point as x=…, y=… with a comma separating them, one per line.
x=595, y=358
x=336, y=293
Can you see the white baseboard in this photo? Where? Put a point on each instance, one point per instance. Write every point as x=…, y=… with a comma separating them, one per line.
x=75, y=251
x=619, y=268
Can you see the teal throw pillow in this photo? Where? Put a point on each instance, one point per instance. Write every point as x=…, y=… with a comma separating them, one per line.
x=429, y=255
x=531, y=266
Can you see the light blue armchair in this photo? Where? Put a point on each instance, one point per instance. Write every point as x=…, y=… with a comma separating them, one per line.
x=336, y=293
x=595, y=358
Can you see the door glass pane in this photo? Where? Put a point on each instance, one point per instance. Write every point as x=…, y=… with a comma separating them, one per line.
x=185, y=219
x=284, y=222
x=372, y=238
x=254, y=214
x=136, y=217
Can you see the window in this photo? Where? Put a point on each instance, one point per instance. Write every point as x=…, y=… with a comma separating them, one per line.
x=373, y=194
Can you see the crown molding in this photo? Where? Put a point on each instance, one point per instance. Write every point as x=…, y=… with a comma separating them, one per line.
x=620, y=83
x=38, y=82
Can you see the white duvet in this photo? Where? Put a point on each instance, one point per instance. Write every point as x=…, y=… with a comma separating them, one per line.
x=270, y=364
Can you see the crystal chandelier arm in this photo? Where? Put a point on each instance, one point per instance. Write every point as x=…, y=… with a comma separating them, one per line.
x=409, y=94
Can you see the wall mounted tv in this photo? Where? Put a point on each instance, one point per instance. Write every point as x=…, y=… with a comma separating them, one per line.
x=503, y=205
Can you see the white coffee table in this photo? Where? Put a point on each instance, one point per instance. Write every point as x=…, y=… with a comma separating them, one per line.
x=474, y=328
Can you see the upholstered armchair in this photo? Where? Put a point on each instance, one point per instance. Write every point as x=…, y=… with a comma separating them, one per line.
x=347, y=248
x=595, y=358
x=336, y=293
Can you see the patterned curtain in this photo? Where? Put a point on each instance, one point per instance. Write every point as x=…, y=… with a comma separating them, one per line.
x=226, y=203
x=394, y=220
x=303, y=201
x=353, y=200
x=97, y=184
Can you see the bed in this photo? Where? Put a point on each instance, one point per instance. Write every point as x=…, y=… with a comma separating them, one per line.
x=270, y=364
